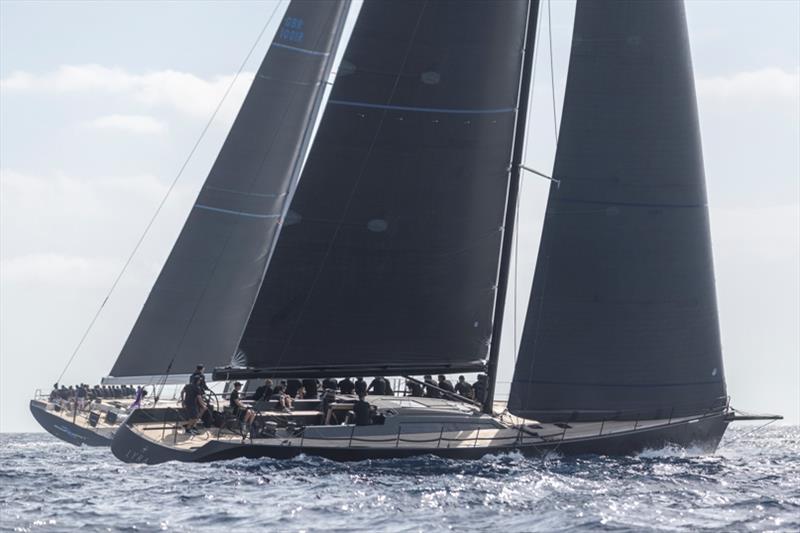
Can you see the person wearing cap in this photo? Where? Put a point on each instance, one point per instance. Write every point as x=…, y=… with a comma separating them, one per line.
x=239, y=409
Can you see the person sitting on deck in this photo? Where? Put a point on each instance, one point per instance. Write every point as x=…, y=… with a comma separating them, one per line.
x=464, y=389
x=377, y=386
x=292, y=386
x=329, y=383
x=360, y=387
x=346, y=386
x=311, y=388
x=430, y=390
x=362, y=412
x=246, y=415
x=54, y=394
x=283, y=399
x=300, y=394
x=414, y=389
x=327, y=399
x=445, y=384
x=263, y=392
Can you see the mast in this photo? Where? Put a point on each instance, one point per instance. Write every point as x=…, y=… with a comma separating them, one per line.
x=511, y=203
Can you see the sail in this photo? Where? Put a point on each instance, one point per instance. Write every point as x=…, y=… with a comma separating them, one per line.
x=388, y=262
x=622, y=320
x=201, y=300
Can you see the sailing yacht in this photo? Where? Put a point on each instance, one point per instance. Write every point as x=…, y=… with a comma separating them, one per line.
x=387, y=251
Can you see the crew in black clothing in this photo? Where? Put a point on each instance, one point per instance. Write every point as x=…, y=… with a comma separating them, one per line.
x=199, y=379
x=241, y=411
x=445, y=384
x=346, y=386
x=329, y=384
x=377, y=386
x=192, y=400
x=362, y=412
x=414, y=389
x=360, y=387
x=263, y=392
x=312, y=388
x=292, y=386
x=430, y=391
x=479, y=388
x=464, y=389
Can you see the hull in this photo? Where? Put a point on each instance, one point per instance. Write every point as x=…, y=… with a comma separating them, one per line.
x=703, y=433
x=67, y=431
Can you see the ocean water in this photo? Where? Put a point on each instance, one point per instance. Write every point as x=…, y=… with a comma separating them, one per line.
x=751, y=483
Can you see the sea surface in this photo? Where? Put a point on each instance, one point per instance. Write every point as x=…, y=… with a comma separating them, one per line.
x=751, y=483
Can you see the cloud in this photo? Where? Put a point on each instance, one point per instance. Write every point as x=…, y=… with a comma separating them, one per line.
x=756, y=86
x=130, y=123
x=56, y=269
x=184, y=92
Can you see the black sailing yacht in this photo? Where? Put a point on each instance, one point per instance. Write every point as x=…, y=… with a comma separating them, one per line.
x=387, y=252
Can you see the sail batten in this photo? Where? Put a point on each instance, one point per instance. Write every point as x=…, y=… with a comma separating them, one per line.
x=622, y=319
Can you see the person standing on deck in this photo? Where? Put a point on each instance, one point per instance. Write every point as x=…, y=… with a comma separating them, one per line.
x=198, y=378
x=479, y=388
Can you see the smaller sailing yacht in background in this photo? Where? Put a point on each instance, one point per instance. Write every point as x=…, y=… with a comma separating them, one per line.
x=387, y=253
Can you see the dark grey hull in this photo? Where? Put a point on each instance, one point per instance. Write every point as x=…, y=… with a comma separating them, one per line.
x=703, y=434
x=65, y=430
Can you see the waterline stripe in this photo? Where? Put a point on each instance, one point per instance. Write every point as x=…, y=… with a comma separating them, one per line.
x=301, y=50
x=230, y=212
x=425, y=109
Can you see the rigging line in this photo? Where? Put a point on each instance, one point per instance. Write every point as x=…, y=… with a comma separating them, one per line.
x=164, y=199
x=552, y=70
x=230, y=233
x=360, y=176
x=762, y=426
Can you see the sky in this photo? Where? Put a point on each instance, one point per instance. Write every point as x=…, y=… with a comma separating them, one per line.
x=100, y=104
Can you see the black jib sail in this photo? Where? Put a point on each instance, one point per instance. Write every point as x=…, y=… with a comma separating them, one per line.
x=388, y=261
x=202, y=298
x=622, y=320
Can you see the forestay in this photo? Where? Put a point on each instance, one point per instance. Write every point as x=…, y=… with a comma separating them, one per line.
x=389, y=259
x=622, y=320
x=201, y=300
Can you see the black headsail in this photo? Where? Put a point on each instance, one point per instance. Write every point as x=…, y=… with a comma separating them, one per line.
x=622, y=319
x=203, y=295
x=389, y=259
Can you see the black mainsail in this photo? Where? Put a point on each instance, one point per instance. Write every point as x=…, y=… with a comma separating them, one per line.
x=388, y=262
x=205, y=291
x=622, y=320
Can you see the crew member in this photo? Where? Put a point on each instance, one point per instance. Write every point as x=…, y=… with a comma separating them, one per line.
x=346, y=386
x=239, y=409
x=414, y=388
x=377, y=386
x=263, y=392
x=464, y=389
